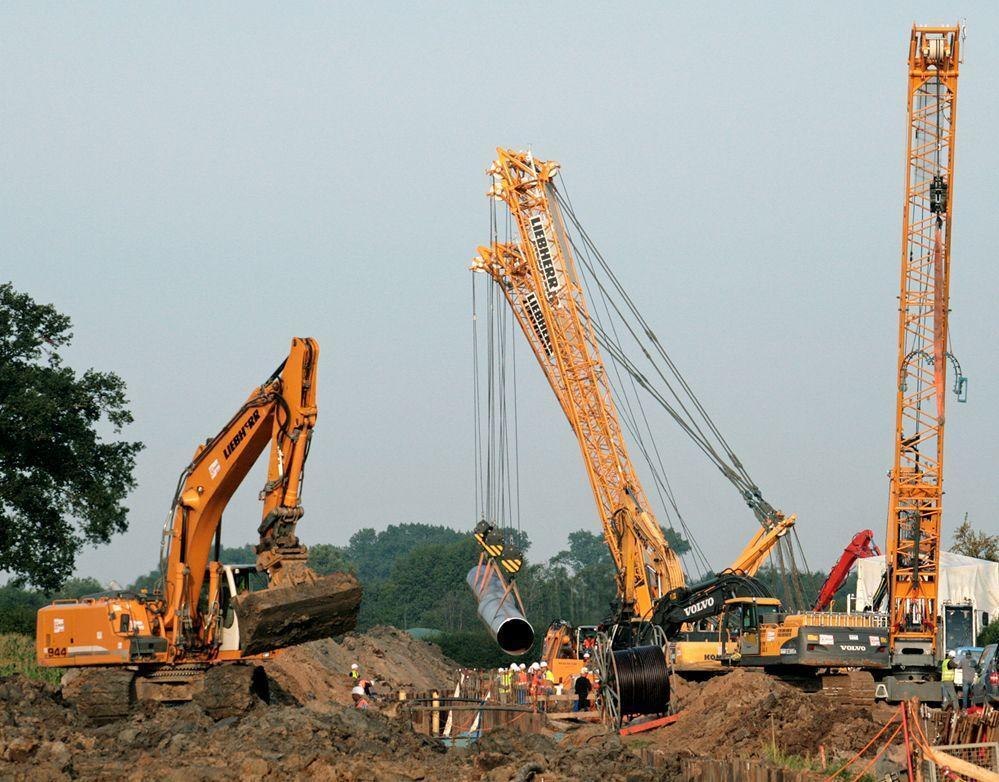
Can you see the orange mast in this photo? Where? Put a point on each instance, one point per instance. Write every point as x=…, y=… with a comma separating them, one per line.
x=916, y=480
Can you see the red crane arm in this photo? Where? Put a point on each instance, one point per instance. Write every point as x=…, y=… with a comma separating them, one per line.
x=860, y=547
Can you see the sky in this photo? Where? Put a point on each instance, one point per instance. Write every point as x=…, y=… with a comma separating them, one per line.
x=195, y=185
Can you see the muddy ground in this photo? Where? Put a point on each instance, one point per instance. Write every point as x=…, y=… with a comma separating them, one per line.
x=309, y=731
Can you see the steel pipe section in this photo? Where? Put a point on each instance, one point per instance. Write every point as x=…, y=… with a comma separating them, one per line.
x=511, y=629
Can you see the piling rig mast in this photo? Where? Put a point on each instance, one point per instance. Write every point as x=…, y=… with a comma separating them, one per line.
x=916, y=478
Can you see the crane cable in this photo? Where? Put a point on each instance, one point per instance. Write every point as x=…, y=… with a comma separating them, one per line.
x=701, y=428
x=664, y=489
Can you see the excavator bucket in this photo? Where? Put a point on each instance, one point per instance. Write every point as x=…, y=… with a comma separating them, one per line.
x=282, y=616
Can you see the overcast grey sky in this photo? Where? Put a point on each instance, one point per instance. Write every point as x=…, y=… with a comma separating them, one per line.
x=194, y=185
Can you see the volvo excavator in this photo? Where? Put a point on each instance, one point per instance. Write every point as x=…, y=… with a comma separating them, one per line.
x=203, y=632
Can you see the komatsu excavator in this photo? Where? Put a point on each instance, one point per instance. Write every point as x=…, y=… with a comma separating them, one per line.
x=180, y=641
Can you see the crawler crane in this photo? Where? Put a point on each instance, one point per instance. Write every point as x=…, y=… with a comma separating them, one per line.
x=539, y=280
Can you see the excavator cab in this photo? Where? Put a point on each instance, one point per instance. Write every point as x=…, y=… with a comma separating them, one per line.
x=744, y=616
x=237, y=580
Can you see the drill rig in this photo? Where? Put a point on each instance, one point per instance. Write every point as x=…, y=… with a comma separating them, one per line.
x=169, y=644
x=912, y=556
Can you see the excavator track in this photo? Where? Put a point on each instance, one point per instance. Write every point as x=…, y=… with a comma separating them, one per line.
x=100, y=695
x=854, y=688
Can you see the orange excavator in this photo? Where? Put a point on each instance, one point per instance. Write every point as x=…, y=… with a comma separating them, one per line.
x=168, y=644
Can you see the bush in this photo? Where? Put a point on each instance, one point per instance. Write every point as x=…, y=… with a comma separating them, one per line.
x=477, y=649
x=17, y=655
x=989, y=634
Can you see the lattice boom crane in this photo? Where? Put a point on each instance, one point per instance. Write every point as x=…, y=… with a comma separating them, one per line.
x=916, y=480
x=539, y=279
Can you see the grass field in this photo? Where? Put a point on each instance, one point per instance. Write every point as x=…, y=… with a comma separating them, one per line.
x=17, y=655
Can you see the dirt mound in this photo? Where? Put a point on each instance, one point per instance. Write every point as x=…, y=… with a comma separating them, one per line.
x=742, y=713
x=41, y=738
x=319, y=672
x=505, y=754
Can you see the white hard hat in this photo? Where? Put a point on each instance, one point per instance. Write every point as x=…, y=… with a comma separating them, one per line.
x=584, y=671
x=513, y=666
x=500, y=670
x=544, y=664
x=353, y=665
x=952, y=653
x=357, y=691
x=523, y=667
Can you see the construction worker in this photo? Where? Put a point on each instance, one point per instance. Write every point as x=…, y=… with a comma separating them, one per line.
x=359, y=700
x=355, y=671
x=506, y=682
x=522, y=684
x=966, y=671
x=947, y=668
x=532, y=682
x=547, y=682
x=582, y=689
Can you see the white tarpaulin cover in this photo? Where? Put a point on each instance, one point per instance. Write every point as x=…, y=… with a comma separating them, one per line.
x=961, y=579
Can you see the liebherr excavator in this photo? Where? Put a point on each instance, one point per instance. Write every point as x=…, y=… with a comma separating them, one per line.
x=170, y=644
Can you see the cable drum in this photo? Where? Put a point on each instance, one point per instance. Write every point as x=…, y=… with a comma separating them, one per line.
x=635, y=681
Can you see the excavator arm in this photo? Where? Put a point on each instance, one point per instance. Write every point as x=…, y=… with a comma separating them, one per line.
x=280, y=413
x=860, y=547
x=705, y=599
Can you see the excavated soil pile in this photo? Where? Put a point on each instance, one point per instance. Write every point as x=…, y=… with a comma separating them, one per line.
x=41, y=738
x=504, y=754
x=318, y=672
x=739, y=714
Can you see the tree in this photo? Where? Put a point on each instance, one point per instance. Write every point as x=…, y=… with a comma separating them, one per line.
x=325, y=558
x=62, y=485
x=676, y=541
x=989, y=634
x=972, y=543
x=374, y=553
x=585, y=548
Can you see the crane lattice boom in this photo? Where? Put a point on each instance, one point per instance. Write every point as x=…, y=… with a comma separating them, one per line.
x=913, y=539
x=539, y=279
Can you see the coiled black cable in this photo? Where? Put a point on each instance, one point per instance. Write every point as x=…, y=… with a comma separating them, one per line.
x=641, y=678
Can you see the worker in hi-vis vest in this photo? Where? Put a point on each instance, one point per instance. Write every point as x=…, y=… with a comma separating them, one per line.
x=947, y=680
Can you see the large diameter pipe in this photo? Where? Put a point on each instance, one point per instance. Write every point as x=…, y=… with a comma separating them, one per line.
x=499, y=610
